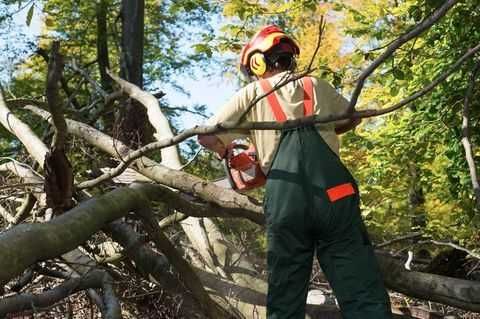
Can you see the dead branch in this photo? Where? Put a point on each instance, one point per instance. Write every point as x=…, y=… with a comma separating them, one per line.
x=26, y=244
x=95, y=86
x=466, y=135
x=415, y=32
x=25, y=209
x=172, y=219
x=19, y=185
x=456, y=292
x=6, y=215
x=27, y=174
x=58, y=170
x=189, y=277
x=185, y=182
x=450, y=244
x=399, y=239
x=94, y=279
x=170, y=157
x=23, y=132
x=152, y=265
x=71, y=96
x=190, y=206
x=55, y=68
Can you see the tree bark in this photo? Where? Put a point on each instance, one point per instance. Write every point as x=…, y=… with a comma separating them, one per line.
x=95, y=279
x=464, y=294
x=102, y=45
x=134, y=128
x=26, y=244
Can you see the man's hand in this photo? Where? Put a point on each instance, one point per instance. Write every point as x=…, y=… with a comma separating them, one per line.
x=213, y=143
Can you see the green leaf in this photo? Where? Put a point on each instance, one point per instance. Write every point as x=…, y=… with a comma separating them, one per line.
x=203, y=48
x=30, y=15
x=398, y=74
x=394, y=90
x=49, y=22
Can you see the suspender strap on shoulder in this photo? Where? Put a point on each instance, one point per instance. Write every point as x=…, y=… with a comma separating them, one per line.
x=277, y=108
x=307, y=96
x=273, y=101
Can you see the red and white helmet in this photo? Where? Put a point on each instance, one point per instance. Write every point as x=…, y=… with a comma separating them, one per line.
x=264, y=40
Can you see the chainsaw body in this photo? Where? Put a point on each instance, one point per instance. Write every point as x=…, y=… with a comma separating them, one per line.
x=242, y=167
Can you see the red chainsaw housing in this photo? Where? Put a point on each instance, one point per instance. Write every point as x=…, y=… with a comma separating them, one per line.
x=243, y=168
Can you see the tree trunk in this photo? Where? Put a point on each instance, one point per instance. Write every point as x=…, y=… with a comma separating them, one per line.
x=134, y=128
x=102, y=45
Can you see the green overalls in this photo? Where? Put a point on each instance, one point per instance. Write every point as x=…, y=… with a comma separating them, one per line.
x=312, y=204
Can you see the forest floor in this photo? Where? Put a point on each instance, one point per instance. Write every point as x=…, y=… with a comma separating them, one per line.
x=142, y=299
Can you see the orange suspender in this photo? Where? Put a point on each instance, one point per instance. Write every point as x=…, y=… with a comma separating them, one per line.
x=277, y=108
x=273, y=101
x=307, y=96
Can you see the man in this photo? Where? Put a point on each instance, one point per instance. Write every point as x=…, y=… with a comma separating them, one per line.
x=311, y=200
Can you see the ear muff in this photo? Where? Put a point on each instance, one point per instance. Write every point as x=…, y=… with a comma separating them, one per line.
x=258, y=64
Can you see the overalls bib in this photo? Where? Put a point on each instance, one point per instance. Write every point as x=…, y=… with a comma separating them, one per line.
x=312, y=204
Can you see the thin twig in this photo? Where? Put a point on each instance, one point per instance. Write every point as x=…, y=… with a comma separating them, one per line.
x=19, y=185
x=399, y=239
x=416, y=31
x=190, y=161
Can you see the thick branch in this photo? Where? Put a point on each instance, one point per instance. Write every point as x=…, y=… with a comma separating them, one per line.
x=94, y=279
x=416, y=31
x=180, y=180
x=26, y=244
x=466, y=135
x=170, y=156
x=23, y=132
x=55, y=68
x=188, y=275
x=152, y=265
x=459, y=293
x=25, y=209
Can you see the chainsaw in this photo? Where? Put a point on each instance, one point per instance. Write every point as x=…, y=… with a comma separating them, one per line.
x=242, y=168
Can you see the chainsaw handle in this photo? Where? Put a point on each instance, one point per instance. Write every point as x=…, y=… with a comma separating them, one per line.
x=231, y=147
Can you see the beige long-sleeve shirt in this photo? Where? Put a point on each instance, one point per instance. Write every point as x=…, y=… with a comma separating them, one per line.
x=326, y=101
